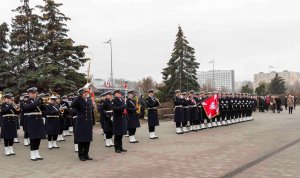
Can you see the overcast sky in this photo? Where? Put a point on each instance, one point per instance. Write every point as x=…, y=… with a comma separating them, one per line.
x=243, y=35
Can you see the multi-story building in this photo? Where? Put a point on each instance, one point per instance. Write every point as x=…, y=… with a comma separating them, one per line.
x=221, y=80
x=289, y=77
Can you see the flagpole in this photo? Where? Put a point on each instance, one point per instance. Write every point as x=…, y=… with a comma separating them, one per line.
x=111, y=63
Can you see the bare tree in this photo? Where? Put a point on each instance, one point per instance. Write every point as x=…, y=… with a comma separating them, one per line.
x=146, y=84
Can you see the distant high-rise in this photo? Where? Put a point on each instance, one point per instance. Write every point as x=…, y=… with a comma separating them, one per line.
x=289, y=77
x=221, y=80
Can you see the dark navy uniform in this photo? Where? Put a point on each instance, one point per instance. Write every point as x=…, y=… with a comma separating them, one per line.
x=36, y=128
x=84, y=124
x=133, y=120
x=8, y=123
x=52, y=120
x=186, y=114
x=119, y=117
x=152, y=105
x=119, y=122
x=178, y=112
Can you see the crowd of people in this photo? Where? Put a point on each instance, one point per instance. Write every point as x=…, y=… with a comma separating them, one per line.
x=275, y=103
x=53, y=117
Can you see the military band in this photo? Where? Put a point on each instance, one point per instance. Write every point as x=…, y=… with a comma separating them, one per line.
x=53, y=117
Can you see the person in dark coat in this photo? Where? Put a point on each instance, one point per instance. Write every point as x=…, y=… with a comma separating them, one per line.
x=119, y=120
x=143, y=106
x=193, y=111
x=62, y=119
x=23, y=119
x=186, y=112
x=65, y=115
x=73, y=114
x=36, y=127
x=106, y=111
x=278, y=104
x=133, y=120
x=84, y=123
x=102, y=98
x=152, y=104
x=52, y=122
x=9, y=115
x=178, y=111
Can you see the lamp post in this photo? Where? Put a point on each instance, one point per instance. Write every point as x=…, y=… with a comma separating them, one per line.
x=111, y=63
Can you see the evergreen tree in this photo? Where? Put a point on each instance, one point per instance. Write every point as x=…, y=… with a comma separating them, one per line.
x=25, y=46
x=5, y=63
x=62, y=57
x=246, y=89
x=261, y=89
x=277, y=85
x=181, y=72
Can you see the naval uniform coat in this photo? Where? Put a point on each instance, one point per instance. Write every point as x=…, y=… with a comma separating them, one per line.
x=105, y=109
x=84, y=121
x=35, y=123
x=9, y=121
x=178, y=112
x=193, y=110
x=152, y=105
x=186, y=110
x=52, y=119
x=119, y=117
x=133, y=120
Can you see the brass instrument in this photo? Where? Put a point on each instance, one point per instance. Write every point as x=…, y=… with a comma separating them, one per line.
x=138, y=106
x=16, y=107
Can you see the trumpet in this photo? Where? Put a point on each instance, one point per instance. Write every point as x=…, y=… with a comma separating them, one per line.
x=16, y=107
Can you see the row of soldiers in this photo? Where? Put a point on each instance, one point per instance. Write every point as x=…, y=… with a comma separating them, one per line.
x=50, y=117
x=189, y=114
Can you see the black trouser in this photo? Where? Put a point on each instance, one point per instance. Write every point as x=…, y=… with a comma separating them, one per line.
x=26, y=135
x=286, y=107
x=142, y=114
x=184, y=124
x=108, y=135
x=196, y=122
x=83, y=149
x=151, y=128
x=8, y=142
x=131, y=131
x=35, y=144
x=118, y=142
x=290, y=110
x=52, y=137
x=178, y=124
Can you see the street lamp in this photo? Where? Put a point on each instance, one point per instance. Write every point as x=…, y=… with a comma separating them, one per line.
x=111, y=63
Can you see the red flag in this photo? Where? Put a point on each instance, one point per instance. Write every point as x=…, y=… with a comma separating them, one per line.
x=211, y=106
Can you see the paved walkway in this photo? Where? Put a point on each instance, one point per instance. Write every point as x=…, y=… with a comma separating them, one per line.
x=208, y=153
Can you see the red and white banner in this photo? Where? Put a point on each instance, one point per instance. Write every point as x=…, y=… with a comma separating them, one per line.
x=211, y=106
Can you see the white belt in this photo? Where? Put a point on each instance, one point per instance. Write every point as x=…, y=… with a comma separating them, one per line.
x=48, y=116
x=34, y=113
x=9, y=115
x=179, y=106
x=186, y=107
x=74, y=117
x=153, y=108
x=109, y=111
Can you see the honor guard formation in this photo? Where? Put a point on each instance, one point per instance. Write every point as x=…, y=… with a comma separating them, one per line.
x=52, y=117
x=190, y=115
